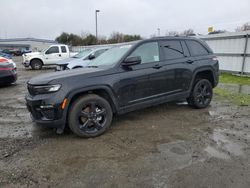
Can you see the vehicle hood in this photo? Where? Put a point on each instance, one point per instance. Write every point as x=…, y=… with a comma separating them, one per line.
x=32, y=53
x=63, y=75
x=66, y=61
x=78, y=62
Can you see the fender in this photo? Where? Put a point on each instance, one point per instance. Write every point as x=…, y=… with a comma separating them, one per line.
x=198, y=70
x=106, y=88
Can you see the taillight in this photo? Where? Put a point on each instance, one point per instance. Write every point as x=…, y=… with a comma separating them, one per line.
x=3, y=60
x=6, y=68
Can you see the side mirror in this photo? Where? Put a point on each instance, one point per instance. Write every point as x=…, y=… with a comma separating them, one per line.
x=131, y=61
x=91, y=56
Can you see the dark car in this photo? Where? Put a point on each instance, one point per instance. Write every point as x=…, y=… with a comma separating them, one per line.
x=124, y=79
x=8, y=56
x=8, y=73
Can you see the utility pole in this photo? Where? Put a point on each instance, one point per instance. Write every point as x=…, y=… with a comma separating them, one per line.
x=96, y=11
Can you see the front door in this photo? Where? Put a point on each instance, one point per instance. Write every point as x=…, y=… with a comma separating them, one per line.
x=52, y=55
x=134, y=85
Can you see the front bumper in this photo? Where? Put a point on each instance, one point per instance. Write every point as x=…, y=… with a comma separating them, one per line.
x=45, y=113
x=26, y=63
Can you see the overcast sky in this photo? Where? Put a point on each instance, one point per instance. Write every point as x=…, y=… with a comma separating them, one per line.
x=48, y=18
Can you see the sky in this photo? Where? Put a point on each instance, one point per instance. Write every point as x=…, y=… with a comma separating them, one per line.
x=49, y=18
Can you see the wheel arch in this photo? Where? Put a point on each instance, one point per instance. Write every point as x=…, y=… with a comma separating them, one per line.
x=206, y=73
x=102, y=91
x=36, y=58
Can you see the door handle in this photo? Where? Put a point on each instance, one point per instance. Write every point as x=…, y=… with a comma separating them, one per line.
x=189, y=61
x=157, y=66
x=60, y=55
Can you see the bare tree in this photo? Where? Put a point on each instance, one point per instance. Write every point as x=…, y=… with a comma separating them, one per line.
x=172, y=33
x=244, y=27
x=188, y=32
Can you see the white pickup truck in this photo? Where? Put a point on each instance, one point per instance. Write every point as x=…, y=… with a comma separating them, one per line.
x=49, y=56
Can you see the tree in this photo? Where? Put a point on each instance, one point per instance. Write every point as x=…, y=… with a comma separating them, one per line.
x=63, y=38
x=188, y=32
x=88, y=39
x=244, y=27
x=117, y=37
x=172, y=33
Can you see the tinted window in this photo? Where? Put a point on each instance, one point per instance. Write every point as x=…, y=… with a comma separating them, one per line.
x=172, y=49
x=196, y=48
x=99, y=52
x=63, y=49
x=149, y=52
x=52, y=50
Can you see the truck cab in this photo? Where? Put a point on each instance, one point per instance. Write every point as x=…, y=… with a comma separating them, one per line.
x=49, y=56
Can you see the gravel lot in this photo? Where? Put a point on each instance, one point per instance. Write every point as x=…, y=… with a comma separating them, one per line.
x=170, y=145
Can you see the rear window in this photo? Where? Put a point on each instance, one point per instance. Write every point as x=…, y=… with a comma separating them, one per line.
x=196, y=48
x=172, y=49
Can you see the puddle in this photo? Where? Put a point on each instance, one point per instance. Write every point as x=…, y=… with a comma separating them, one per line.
x=226, y=144
x=215, y=153
x=235, y=88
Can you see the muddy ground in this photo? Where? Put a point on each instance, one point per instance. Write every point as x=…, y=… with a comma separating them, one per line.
x=170, y=145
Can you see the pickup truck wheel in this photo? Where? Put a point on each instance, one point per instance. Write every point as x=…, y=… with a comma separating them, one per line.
x=90, y=116
x=36, y=64
x=201, y=95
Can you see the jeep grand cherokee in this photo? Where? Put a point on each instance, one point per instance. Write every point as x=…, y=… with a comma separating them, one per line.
x=123, y=79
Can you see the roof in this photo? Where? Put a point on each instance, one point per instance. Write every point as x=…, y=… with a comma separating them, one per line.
x=28, y=39
x=172, y=37
x=14, y=45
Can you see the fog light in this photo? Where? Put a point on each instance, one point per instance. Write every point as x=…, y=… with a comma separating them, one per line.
x=49, y=106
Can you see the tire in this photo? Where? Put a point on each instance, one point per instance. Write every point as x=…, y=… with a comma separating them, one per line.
x=202, y=94
x=90, y=116
x=36, y=64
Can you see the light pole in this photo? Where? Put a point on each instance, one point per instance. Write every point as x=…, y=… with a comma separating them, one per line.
x=159, y=31
x=96, y=11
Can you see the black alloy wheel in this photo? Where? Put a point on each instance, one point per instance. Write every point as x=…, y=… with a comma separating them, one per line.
x=201, y=95
x=90, y=116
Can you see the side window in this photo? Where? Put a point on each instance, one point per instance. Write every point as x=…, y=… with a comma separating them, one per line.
x=149, y=52
x=63, y=49
x=172, y=49
x=52, y=50
x=196, y=48
x=99, y=52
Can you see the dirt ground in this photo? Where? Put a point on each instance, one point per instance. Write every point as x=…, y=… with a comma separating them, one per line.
x=170, y=145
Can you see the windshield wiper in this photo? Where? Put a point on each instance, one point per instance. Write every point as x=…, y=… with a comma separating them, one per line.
x=92, y=66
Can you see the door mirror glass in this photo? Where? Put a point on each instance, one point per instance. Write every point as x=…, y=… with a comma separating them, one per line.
x=132, y=61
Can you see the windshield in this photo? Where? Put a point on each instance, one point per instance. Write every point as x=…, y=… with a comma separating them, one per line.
x=111, y=56
x=82, y=53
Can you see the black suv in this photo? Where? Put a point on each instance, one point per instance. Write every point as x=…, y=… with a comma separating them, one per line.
x=123, y=79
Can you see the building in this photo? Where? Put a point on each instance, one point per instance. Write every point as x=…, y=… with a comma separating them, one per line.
x=232, y=50
x=25, y=43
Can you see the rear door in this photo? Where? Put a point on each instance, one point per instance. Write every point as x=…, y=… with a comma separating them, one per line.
x=64, y=53
x=175, y=68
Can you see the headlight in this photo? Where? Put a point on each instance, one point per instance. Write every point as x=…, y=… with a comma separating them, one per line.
x=35, y=90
